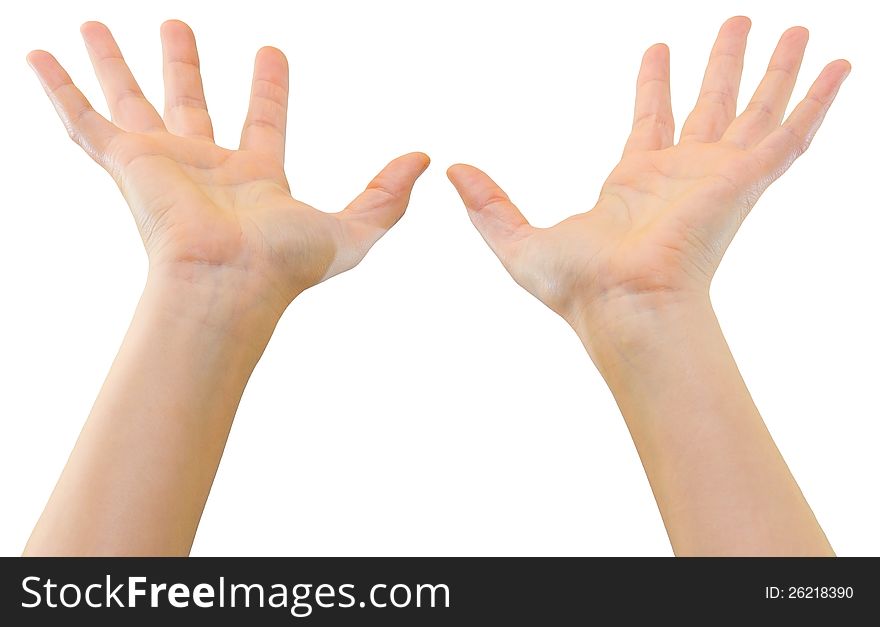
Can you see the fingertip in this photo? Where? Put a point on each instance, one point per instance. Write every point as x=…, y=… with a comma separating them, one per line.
x=271, y=64
x=98, y=38
x=454, y=171
x=174, y=23
x=411, y=165
x=35, y=57
x=92, y=27
x=423, y=159
x=661, y=49
x=474, y=186
x=738, y=22
x=460, y=170
x=658, y=48
x=836, y=71
x=46, y=67
x=271, y=52
x=797, y=33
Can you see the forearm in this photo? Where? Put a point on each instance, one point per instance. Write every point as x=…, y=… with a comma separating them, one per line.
x=721, y=484
x=139, y=475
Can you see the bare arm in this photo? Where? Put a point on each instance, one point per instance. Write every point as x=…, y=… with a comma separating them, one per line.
x=722, y=486
x=229, y=249
x=632, y=277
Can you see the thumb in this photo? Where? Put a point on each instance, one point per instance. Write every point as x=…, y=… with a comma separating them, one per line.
x=384, y=201
x=376, y=209
x=497, y=219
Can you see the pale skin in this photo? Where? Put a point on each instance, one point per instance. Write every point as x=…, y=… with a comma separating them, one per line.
x=632, y=277
x=229, y=249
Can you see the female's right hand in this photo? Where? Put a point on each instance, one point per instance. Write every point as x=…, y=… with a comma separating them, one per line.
x=202, y=209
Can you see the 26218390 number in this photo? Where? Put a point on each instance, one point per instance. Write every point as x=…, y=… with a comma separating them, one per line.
x=808, y=592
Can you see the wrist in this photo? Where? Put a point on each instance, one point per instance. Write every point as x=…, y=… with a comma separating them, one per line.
x=224, y=303
x=628, y=329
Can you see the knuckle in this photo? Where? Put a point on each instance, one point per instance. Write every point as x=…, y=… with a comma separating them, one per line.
x=653, y=118
x=798, y=142
x=760, y=108
x=785, y=70
x=382, y=189
x=270, y=91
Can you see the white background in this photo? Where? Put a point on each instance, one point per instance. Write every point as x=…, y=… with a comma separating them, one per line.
x=423, y=404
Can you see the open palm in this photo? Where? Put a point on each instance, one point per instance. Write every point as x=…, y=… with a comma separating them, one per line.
x=200, y=206
x=667, y=212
